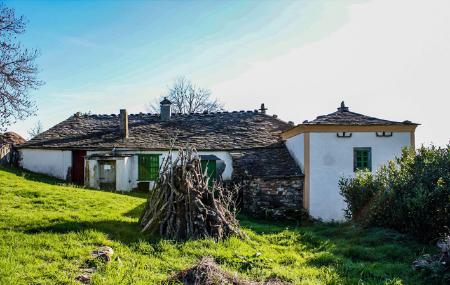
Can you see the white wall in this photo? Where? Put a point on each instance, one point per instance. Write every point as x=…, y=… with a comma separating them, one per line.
x=124, y=174
x=295, y=145
x=91, y=174
x=127, y=168
x=51, y=162
x=332, y=157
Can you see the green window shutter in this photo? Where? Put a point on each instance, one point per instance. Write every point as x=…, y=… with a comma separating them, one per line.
x=362, y=158
x=210, y=166
x=154, y=167
x=148, y=168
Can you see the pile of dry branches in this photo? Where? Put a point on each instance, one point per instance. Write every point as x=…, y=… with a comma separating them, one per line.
x=207, y=272
x=182, y=205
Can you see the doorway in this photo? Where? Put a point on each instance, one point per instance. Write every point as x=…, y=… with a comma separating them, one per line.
x=107, y=174
x=78, y=166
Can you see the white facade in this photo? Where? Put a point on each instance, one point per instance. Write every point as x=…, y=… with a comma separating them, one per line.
x=295, y=145
x=331, y=157
x=56, y=163
x=127, y=167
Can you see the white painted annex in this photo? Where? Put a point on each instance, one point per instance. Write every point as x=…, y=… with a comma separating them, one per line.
x=326, y=149
x=127, y=166
x=56, y=163
x=332, y=157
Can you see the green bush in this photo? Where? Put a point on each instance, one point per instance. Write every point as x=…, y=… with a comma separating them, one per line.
x=410, y=194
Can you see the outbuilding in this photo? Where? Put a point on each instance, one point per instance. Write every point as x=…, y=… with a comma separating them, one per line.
x=337, y=145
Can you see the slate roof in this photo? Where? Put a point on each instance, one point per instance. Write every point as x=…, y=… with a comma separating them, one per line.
x=206, y=131
x=268, y=163
x=343, y=116
x=11, y=138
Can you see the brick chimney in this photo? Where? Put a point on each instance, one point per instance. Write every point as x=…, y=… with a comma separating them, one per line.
x=123, y=123
x=166, y=109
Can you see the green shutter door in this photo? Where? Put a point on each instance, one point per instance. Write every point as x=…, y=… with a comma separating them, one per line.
x=210, y=166
x=148, y=168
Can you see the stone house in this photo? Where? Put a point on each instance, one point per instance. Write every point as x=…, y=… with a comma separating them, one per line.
x=124, y=152
x=8, y=153
x=282, y=167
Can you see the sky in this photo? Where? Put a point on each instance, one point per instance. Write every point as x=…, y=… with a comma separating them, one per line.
x=385, y=58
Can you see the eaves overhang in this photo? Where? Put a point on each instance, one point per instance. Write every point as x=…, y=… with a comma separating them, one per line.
x=323, y=128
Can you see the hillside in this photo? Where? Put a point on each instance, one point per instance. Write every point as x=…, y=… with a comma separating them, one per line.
x=48, y=231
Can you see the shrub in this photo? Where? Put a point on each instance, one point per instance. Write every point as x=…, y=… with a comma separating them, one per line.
x=410, y=194
x=358, y=193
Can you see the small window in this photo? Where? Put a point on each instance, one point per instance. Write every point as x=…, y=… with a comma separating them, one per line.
x=362, y=158
x=148, y=167
x=344, y=135
x=383, y=134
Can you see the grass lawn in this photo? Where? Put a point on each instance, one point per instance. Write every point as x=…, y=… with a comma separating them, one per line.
x=48, y=230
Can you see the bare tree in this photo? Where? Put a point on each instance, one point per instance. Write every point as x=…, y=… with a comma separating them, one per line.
x=18, y=71
x=36, y=129
x=187, y=98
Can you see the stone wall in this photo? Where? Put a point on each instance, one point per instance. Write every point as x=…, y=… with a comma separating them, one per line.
x=276, y=198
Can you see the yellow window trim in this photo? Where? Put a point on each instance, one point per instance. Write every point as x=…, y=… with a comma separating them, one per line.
x=346, y=128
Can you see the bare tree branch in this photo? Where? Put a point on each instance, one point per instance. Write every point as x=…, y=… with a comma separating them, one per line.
x=18, y=71
x=36, y=129
x=187, y=98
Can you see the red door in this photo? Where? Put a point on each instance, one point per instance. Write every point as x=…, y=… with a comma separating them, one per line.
x=78, y=166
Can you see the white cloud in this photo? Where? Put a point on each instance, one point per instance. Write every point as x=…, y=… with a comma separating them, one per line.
x=390, y=60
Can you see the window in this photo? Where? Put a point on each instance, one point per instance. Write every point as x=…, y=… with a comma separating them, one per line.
x=344, y=135
x=383, y=134
x=362, y=158
x=148, y=167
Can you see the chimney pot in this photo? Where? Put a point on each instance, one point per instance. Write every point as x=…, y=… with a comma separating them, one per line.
x=263, y=108
x=343, y=108
x=166, y=109
x=123, y=123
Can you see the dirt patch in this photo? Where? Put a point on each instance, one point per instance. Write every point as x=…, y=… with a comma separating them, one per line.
x=207, y=272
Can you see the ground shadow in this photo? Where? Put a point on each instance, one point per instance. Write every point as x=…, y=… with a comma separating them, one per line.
x=264, y=226
x=136, y=212
x=124, y=232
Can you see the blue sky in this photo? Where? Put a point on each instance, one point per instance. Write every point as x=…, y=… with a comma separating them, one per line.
x=301, y=58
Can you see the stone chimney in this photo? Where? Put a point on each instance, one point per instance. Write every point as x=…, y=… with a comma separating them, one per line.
x=123, y=123
x=166, y=109
x=263, y=108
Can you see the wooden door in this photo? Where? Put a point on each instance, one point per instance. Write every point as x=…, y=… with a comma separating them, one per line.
x=107, y=174
x=78, y=166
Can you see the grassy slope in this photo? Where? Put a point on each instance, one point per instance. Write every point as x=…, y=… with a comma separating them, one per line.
x=47, y=232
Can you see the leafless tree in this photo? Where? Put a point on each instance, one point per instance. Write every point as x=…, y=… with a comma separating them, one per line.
x=18, y=71
x=36, y=129
x=187, y=98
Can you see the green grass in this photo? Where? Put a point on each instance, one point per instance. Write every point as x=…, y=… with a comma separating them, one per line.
x=48, y=230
